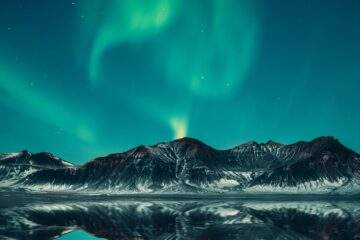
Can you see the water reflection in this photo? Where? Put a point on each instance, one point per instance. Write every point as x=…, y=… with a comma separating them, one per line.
x=78, y=234
x=186, y=219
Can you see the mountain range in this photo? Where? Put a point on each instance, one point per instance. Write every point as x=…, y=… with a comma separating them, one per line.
x=187, y=165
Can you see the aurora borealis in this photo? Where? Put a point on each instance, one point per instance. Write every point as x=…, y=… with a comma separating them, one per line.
x=86, y=78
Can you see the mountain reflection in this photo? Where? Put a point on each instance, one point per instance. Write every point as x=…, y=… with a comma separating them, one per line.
x=185, y=219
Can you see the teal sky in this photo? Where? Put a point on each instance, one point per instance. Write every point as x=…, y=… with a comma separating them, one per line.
x=86, y=78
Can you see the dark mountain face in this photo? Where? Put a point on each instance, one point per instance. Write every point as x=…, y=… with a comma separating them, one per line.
x=322, y=159
x=40, y=160
x=188, y=165
x=15, y=166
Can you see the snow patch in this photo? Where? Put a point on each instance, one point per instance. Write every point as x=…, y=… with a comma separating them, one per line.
x=225, y=183
x=8, y=155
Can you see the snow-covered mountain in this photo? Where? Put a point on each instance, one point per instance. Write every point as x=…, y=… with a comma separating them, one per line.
x=322, y=165
x=16, y=166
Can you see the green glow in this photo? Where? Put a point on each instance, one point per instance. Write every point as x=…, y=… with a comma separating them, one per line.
x=127, y=21
x=212, y=53
x=179, y=127
x=21, y=94
x=170, y=114
x=208, y=57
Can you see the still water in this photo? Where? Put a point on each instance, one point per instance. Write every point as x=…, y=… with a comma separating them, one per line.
x=60, y=217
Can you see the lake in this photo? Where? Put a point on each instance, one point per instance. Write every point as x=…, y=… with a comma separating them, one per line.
x=64, y=216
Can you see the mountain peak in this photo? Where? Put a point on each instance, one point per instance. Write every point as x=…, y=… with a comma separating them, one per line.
x=187, y=164
x=325, y=139
x=41, y=159
x=188, y=140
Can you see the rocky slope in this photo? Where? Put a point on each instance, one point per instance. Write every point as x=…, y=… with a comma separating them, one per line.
x=322, y=165
x=16, y=166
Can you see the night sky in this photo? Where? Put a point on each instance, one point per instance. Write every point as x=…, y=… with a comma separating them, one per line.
x=85, y=78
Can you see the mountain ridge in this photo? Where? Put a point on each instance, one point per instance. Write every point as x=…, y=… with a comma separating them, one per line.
x=322, y=165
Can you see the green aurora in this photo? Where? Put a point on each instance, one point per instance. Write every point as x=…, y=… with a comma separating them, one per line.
x=85, y=78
